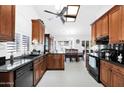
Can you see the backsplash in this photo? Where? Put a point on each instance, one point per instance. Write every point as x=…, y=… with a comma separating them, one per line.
x=119, y=47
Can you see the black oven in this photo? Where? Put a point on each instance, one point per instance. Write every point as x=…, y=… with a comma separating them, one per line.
x=93, y=67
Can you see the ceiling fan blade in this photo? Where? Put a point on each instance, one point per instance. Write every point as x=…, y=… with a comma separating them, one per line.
x=63, y=11
x=62, y=19
x=70, y=16
x=50, y=12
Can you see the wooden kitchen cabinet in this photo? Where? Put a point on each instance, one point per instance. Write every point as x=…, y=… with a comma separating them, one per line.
x=117, y=75
x=55, y=61
x=93, y=33
x=115, y=22
x=39, y=69
x=42, y=66
x=7, y=22
x=111, y=75
x=122, y=31
x=117, y=79
x=36, y=71
x=38, y=31
x=98, y=28
x=105, y=73
x=105, y=24
x=7, y=79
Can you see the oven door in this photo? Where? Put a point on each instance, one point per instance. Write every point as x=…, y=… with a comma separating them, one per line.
x=92, y=62
x=94, y=67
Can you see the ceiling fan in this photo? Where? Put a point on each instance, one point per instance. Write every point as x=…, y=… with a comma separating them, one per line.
x=61, y=14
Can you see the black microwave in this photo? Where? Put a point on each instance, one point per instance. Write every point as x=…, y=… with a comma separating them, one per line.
x=2, y=61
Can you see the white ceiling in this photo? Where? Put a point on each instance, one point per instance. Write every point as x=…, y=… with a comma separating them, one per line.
x=87, y=14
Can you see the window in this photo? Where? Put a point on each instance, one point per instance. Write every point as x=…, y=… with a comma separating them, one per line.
x=11, y=47
x=18, y=42
x=14, y=46
x=72, y=13
x=25, y=43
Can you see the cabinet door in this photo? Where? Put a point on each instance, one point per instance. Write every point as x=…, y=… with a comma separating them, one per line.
x=105, y=74
x=50, y=62
x=36, y=77
x=117, y=79
x=41, y=67
x=98, y=28
x=117, y=76
x=93, y=33
x=45, y=63
x=36, y=71
x=7, y=22
x=7, y=79
x=115, y=25
x=35, y=30
x=122, y=33
x=105, y=22
x=42, y=32
x=59, y=61
x=55, y=61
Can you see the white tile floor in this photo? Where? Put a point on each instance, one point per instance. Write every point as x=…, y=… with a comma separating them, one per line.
x=74, y=75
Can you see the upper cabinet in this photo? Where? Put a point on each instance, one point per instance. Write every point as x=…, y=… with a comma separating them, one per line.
x=93, y=33
x=38, y=31
x=105, y=24
x=98, y=28
x=111, y=24
x=7, y=22
x=115, y=22
x=102, y=27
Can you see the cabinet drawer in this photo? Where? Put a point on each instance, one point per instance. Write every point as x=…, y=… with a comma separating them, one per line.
x=106, y=63
x=119, y=69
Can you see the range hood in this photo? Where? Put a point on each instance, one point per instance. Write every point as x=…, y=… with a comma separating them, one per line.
x=102, y=40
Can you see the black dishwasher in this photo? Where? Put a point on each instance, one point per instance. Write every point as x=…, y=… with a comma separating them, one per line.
x=24, y=76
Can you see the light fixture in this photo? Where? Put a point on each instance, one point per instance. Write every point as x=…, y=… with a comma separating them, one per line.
x=72, y=11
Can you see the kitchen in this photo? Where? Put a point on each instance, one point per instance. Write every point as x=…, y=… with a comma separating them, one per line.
x=27, y=54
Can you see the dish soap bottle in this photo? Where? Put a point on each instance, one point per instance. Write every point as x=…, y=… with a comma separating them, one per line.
x=120, y=58
x=11, y=59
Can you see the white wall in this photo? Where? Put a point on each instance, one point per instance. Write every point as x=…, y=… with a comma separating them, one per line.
x=72, y=30
x=23, y=25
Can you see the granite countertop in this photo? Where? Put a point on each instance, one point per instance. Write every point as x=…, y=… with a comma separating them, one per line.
x=57, y=53
x=108, y=60
x=19, y=62
x=114, y=62
x=93, y=55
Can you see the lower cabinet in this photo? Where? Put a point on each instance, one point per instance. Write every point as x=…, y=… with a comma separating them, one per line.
x=39, y=69
x=117, y=75
x=111, y=75
x=55, y=61
x=7, y=79
x=105, y=71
